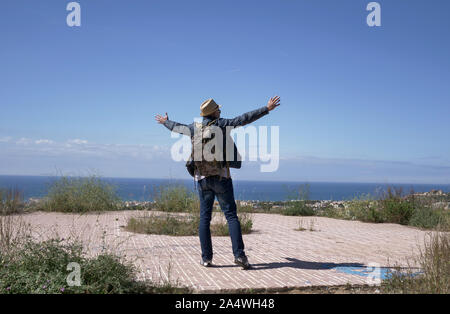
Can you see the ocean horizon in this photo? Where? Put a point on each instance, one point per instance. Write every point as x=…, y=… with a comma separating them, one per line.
x=141, y=189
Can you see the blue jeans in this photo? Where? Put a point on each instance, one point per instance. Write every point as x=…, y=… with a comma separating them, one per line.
x=222, y=188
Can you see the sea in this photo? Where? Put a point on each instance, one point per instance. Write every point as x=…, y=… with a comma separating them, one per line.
x=134, y=189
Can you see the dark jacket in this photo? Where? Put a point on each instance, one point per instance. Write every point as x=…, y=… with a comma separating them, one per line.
x=241, y=120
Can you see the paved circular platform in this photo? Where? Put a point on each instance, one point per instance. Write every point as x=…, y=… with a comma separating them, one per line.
x=337, y=252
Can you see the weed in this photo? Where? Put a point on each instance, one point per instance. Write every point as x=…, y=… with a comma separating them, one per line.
x=81, y=194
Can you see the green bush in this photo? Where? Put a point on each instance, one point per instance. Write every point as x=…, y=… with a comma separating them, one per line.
x=81, y=194
x=429, y=218
x=396, y=208
x=41, y=268
x=298, y=208
x=366, y=211
x=175, y=198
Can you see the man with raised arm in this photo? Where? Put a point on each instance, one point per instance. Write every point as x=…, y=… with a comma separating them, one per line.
x=213, y=177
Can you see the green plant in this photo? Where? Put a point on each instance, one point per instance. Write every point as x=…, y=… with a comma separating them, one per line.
x=41, y=267
x=396, y=208
x=428, y=218
x=298, y=208
x=175, y=198
x=81, y=194
x=365, y=210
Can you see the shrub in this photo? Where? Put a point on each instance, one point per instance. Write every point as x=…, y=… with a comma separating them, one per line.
x=298, y=208
x=42, y=268
x=175, y=198
x=429, y=218
x=366, y=211
x=395, y=208
x=81, y=194
x=332, y=212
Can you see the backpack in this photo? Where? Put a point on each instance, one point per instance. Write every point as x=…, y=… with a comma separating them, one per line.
x=204, y=167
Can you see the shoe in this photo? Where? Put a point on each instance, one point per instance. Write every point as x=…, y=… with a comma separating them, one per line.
x=207, y=263
x=243, y=262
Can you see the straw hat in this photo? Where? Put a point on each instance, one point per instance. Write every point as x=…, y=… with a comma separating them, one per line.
x=208, y=107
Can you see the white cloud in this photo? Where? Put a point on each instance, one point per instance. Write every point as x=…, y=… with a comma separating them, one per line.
x=26, y=147
x=77, y=141
x=5, y=139
x=44, y=141
x=44, y=155
x=37, y=156
x=24, y=141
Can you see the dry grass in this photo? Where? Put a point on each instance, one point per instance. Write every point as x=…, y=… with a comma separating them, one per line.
x=167, y=224
x=13, y=232
x=183, y=224
x=220, y=225
x=302, y=225
x=181, y=215
x=11, y=201
x=434, y=261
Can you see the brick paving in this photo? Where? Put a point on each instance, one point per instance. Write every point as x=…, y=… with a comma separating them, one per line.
x=281, y=256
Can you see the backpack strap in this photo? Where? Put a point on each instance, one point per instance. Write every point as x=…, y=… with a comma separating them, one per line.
x=211, y=122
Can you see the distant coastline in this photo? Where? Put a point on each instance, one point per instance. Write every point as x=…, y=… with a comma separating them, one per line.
x=139, y=189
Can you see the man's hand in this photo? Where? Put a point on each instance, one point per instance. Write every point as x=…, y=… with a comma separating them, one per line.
x=161, y=119
x=273, y=103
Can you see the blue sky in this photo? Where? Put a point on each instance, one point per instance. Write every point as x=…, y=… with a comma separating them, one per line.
x=359, y=104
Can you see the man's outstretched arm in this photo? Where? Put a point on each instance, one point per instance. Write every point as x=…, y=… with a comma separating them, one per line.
x=251, y=116
x=172, y=125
